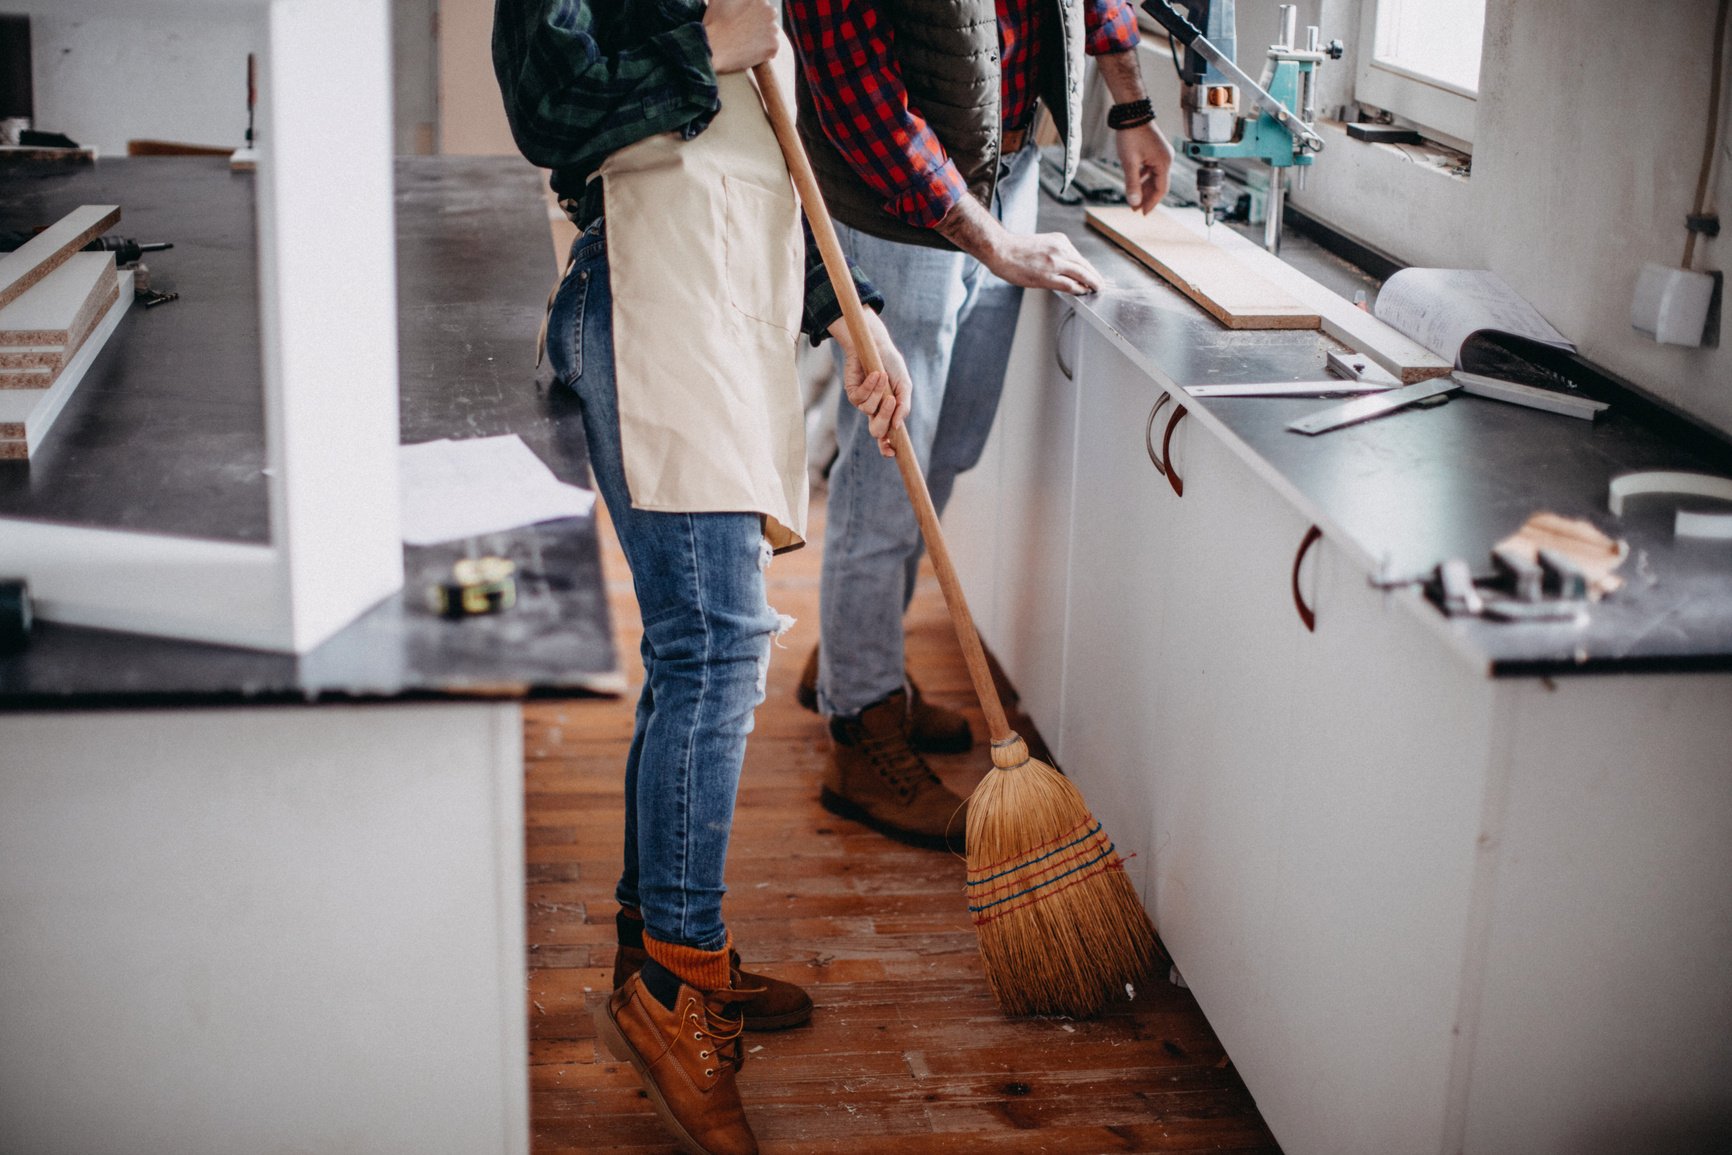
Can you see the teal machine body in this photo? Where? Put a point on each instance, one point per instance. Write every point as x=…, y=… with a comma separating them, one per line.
x=1230, y=116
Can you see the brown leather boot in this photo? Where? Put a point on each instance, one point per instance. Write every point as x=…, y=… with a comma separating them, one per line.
x=876, y=778
x=768, y=1004
x=932, y=729
x=687, y=1057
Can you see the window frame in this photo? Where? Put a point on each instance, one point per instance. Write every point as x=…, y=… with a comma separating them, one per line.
x=1439, y=108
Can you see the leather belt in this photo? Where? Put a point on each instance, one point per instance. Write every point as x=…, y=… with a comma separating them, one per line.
x=1011, y=140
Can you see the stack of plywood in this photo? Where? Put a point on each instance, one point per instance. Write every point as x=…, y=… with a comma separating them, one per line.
x=57, y=307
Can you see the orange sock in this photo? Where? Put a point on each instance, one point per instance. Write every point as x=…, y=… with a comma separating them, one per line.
x=708, y=970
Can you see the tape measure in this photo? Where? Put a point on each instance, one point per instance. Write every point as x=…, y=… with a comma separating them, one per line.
x=478, y=585
x=15, y=616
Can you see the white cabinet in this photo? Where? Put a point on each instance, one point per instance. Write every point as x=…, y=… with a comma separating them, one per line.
x=1008, y=521
x=1121, y=561
x=1426, y=911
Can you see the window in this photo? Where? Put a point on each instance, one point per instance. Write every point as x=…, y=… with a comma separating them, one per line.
x=1419, y=59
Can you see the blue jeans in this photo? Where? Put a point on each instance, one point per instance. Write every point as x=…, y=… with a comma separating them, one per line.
x=953, y=321
x=706, y=642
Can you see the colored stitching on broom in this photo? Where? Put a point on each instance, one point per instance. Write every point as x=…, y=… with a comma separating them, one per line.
x=996, y=915
x=995, y=865
x=1042, y=870
x=1047, y=882
x=1094, y=830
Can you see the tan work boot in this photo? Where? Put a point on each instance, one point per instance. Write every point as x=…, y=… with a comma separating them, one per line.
x=767, y=1004
x=875, y=777
x=932, y=729
x=687, y=1057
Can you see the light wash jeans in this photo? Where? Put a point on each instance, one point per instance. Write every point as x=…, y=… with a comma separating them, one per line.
x=953, y=322
x=706, y=642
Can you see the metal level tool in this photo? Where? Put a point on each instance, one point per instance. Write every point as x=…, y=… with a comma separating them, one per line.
x=1548, y=400
x=1367, y=408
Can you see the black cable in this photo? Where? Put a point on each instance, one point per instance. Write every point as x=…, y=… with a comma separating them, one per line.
x=1713, y=126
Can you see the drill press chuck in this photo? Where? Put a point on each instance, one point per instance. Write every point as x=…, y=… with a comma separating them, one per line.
x=1209, y=180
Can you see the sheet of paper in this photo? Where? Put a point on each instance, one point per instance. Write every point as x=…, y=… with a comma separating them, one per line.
x=458, y=489
x=1441, y=308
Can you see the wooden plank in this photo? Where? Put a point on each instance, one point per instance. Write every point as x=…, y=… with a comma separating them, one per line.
x=54, y=309
x=49, y=249
x=34, y=410
x=1203, y=271
x=1406, y=358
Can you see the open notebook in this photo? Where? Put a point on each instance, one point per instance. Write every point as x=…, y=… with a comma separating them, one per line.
x=1443, y=309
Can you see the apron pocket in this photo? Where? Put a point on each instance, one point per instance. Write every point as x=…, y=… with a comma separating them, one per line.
x=765, y=253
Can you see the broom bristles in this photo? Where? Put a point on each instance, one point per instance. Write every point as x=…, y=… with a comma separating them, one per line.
x=1061, y=928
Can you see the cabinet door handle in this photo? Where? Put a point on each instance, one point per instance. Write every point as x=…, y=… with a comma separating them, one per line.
x=1306, y=613
x=1173, y=478
x=1149, y=435
x=1065, y=322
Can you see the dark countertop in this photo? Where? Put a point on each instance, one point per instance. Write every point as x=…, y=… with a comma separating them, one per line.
x=1407, y=491
x=474, y=263
x=191, y=368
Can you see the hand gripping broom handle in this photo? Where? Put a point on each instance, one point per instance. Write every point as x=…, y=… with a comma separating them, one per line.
x=997, y=725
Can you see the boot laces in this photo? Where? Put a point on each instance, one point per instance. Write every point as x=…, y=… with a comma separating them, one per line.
x=723, y=1044
x=898, y=764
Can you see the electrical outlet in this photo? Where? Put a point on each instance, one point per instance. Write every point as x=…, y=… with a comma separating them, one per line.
x=1673, y=305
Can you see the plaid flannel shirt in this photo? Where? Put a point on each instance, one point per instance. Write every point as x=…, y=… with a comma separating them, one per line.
x=848, y=51
x=583, y=80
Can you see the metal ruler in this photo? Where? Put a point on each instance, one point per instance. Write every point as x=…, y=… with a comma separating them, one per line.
x=1331, y=388
x=1366, y=408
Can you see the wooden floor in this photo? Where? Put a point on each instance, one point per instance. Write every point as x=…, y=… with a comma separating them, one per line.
x=906, y=1052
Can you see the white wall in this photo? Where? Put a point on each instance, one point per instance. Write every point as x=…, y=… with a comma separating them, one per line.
x=1592, y=120
x=163, y=73
x=471, y=111
x=1584, y=164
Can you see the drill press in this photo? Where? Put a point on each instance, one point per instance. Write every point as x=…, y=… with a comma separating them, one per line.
x=1217, y=128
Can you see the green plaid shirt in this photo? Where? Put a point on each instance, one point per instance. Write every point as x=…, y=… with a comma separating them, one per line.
x=583, y=80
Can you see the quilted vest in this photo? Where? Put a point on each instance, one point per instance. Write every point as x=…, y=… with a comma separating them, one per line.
x=947, y=51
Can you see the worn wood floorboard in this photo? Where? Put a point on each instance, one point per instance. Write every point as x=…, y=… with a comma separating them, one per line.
x=907, y=1053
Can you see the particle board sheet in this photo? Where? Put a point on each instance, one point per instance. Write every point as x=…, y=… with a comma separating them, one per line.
x=68, y=299
x=27, y=414
x=20, y=357
x=1404, y=357
x=1203, y=271
x=42, y=376
x=48, y=250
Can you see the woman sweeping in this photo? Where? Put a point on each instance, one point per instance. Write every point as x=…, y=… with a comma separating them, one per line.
x=675, y=324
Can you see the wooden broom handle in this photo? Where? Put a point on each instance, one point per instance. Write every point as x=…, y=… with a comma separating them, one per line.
x=836, y=264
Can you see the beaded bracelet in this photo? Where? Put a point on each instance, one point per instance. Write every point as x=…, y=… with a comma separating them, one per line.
x=1130, y=114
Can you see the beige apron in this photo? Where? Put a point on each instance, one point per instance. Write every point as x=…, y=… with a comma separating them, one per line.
x=706, y=262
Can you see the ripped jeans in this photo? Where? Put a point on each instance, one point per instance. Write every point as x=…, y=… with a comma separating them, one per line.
x=707, y=629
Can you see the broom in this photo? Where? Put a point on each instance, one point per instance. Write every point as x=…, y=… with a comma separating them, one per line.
x=1061, y=929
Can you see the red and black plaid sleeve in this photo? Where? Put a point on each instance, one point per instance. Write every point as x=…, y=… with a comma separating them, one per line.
x=1110, y=25
x=847, y=51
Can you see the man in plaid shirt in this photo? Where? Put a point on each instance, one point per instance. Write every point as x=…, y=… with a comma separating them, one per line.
x=937, y=195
